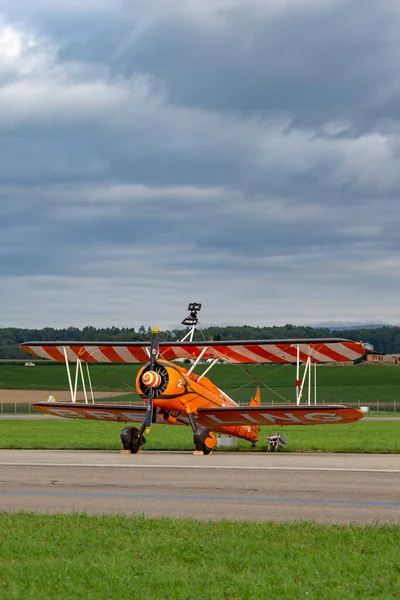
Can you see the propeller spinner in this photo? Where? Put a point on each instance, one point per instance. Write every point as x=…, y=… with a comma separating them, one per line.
x=151, y=379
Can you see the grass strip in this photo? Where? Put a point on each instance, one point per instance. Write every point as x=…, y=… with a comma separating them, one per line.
x=362, y=437
x=352, y=384
x=82, y=557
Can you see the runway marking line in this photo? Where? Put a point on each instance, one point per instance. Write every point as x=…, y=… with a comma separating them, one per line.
x=196, y=466
x=206, y=497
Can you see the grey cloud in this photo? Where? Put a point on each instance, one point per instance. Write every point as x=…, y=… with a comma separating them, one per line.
x=212, y=156
x=333, y=60
x=69, y=234
x=139, y=137
x=315, y=62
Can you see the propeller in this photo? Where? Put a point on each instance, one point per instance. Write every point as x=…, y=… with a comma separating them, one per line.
x=152, y=379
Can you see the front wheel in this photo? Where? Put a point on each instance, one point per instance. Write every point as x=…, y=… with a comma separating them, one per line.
x=132, y=439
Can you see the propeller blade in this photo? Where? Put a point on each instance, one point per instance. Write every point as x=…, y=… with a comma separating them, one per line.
x=154, y=349
x=149, y=412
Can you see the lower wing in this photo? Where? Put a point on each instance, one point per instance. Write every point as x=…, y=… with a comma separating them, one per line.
x=279, y=415
x=122, y=413
x=226, y=415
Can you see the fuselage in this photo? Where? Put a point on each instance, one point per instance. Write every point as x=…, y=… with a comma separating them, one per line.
x=181, y=391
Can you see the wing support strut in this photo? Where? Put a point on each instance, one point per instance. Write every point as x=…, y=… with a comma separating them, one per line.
x=198, y=359
x=308, y=370
x=214, y=362
x=78, y=371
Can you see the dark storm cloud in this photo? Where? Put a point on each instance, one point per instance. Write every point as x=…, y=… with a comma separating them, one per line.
x=314, y=61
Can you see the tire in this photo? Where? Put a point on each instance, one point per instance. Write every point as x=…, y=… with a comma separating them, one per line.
x=205, y=449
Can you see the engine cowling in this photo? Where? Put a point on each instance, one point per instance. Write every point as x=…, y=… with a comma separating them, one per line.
x=165, y=379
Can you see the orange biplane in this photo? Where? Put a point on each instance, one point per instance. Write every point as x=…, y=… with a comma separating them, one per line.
x=178, y=396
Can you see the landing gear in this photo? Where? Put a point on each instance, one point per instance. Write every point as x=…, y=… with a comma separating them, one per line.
x=132, y=439
x=204, y=439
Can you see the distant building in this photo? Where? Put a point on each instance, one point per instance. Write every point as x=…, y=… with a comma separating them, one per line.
x=374, y=357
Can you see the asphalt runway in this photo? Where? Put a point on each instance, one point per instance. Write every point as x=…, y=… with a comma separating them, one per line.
x=326, y=488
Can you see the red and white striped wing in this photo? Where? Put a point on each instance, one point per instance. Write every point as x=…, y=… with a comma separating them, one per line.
x=123, y=413
x=256, y=352
x=278, y=415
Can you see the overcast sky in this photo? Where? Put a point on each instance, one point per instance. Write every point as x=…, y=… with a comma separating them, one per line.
x=240, y=153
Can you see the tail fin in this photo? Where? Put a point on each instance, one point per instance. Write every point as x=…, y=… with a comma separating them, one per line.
x=256, y=400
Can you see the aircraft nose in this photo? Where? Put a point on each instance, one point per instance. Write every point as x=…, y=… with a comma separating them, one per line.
x=151, y=379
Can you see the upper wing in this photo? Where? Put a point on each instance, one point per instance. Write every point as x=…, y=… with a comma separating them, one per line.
x=255, y=351
x=122, y=413
x=278, y=415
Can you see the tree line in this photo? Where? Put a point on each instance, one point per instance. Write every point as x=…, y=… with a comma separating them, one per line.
x=384, y=339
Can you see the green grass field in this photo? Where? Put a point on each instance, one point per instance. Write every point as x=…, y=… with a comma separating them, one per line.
x=354, y=384
x=364, y=436
x=83, y=557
